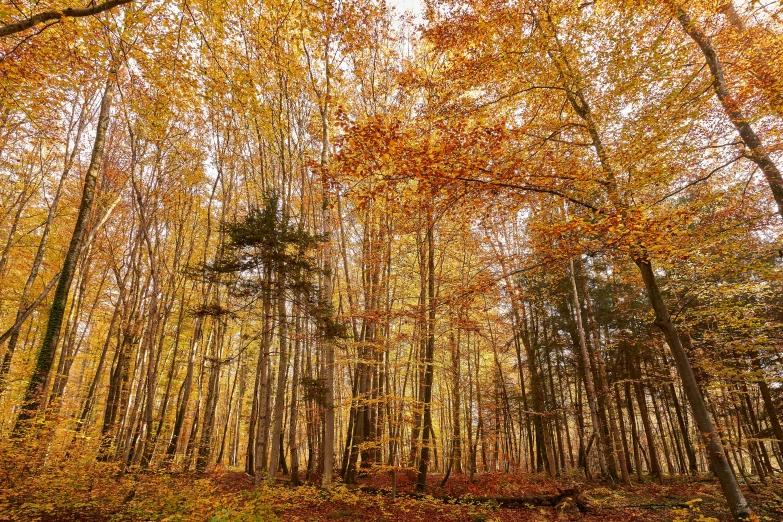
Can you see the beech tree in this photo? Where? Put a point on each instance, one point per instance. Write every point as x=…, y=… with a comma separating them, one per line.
x=322, y=242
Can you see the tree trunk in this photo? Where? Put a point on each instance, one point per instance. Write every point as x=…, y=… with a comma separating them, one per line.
x=24, y=304
x=282, y=374
x=603, y=454
x=758, y=153
x=326, y=297
x=720, y=464
x=427, y=360
x=605, y=389
x=456, y=449
x=264, y=366
x=184, y=392
x=769, y=405
x=293, y=447
x=35, y=394
x=692, y=465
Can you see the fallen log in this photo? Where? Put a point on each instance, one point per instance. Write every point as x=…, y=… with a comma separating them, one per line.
x=556, y=499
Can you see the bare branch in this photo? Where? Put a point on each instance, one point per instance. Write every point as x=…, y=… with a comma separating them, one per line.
x=71, y=12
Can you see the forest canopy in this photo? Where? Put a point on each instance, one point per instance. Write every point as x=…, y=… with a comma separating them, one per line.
x=335, y=243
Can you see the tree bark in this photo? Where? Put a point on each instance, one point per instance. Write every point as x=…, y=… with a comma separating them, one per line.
x=758, y=153
x=282, y=374
x=606, y=396
x=46, y=16
x=293, y=447
x=605, y=452
x=26, y=307
x=326, y=295
x=720, y=464
x=692, y=465
x=427, y=360
x=769, y=404
x=35, y=394
x=456, y=449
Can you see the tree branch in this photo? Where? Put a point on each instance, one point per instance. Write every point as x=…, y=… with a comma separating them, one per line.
x=72, y=12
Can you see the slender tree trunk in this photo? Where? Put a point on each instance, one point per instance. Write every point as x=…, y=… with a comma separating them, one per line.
x=427, y=360
x=588, y=374
x=185, y=390
x=262, y=424
x=293, y=446
x=758, y=153
x=692, y=465
x=769, y=405
x=662, y=433
x=326, y=297
x=641, y=400
x=623, y=431
x=229, y=410
x=167, y=394
x=35, y=394
x=22, y=200
x=634, y=430
x=456, y=449
x=89, y=401
x=282, y=374
x=720, y=464
x=24, y=304
x=203, y=458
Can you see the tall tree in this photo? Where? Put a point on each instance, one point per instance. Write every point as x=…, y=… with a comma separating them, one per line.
x=35, y=394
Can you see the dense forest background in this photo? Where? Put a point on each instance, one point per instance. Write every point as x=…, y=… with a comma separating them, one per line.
x=317, y=241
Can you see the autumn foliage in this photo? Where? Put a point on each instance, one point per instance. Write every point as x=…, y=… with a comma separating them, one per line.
x=296, y=260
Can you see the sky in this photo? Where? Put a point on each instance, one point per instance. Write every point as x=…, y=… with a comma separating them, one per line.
x=415, y=7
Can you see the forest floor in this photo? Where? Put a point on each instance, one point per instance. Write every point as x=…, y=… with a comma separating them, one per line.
x=91, y=491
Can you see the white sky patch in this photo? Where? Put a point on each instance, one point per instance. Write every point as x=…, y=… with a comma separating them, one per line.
x=414, y=7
